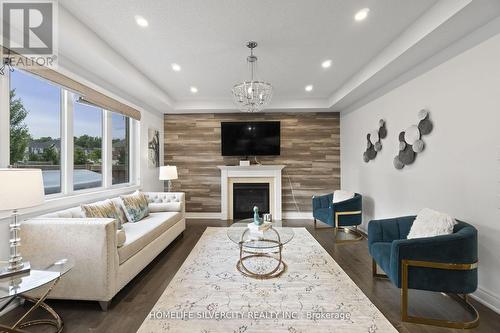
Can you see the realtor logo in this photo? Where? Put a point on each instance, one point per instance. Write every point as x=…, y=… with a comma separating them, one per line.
x=29, y=29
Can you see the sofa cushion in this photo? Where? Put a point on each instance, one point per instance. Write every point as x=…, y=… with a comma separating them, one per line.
x=121, y=237
x=135, y=206
x=141, y=233
x=75, y=212
x=165, y=207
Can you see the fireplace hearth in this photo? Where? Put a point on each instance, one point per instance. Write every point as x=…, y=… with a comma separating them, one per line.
x=248, y=195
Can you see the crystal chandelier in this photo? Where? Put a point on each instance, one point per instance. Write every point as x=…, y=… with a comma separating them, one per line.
x=252, y=96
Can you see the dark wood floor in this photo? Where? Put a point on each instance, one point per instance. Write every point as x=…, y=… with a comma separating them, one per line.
x=133, y=303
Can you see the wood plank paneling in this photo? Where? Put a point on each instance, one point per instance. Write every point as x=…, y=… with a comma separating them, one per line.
x=310, y=149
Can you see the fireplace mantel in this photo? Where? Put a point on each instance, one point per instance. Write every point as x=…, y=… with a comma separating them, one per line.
x=257, y=173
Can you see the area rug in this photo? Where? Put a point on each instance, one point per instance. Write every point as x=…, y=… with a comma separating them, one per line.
x=209, y=295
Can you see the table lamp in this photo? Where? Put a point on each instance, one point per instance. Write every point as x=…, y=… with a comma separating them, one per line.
x=20, y=188
x=168, y=172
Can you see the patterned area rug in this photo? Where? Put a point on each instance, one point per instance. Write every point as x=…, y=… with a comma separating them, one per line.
x=208, y=294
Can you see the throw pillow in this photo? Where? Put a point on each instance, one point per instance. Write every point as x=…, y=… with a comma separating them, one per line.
x=119, y=209
x=135, y=206
x=340, y=195
x=102, y=209
x=429, y=223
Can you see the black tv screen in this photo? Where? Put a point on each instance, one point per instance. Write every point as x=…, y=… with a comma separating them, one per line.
x=250, y=138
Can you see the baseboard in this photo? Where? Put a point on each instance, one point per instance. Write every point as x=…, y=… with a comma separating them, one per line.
x=297, y=215
x=487, y=298
x=201, y=215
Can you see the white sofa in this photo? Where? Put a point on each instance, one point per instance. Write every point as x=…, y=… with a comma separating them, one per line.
x=105, y=260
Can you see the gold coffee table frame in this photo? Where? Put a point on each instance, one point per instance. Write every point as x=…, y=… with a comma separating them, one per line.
x=245, y=255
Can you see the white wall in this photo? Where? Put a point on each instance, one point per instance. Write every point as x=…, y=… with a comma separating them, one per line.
x=458, y=172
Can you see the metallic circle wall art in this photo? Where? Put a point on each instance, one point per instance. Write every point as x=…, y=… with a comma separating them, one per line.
x=418, y=146
x=397, y=163
x=425, y=126
x=422, y=114
x=407, y=156
x=374, y=138
x=412, y=134
x=373, y=141
x=410, y=141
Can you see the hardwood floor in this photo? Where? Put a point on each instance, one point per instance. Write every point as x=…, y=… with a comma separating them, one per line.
x=129, y=308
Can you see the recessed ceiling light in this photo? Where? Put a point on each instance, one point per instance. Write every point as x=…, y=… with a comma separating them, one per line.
x=176, y=67
x=141, y=21
x=326, y=63
x=309, y=88
x=362, y=14
x=193, y=90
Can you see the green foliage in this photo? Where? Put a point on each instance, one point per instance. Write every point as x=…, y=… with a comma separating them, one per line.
x=86, y=141
x=95, y=156
x=80, y=157
x=50, y=155
x=19, y=134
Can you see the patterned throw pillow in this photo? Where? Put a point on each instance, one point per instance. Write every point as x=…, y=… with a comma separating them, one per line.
x=103, y=209
x=135, y=206
x=118, y=204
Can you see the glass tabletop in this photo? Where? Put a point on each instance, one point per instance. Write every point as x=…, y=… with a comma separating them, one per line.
x=270, y=238
x=43, y=271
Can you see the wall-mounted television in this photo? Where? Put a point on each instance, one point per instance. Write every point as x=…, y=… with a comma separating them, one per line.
x=257, y=138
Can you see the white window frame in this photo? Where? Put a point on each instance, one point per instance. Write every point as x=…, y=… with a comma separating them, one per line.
x=67, y=144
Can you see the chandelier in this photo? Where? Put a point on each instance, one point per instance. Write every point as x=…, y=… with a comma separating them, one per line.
x=253, y=95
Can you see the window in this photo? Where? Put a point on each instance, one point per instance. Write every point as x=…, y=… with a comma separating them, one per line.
x=49, y=122
x=35, y=127
x=87, y=151
x=121, y=148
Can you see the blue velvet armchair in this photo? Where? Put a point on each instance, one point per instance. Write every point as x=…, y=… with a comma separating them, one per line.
x=341, y=215
x=445, y=263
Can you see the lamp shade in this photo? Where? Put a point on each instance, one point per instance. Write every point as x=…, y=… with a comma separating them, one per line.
x=168, y=172
x=21, y=188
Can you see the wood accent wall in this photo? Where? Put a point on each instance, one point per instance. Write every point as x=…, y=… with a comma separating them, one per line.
x=310, y=149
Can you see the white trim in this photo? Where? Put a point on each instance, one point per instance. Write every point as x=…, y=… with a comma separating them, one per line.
x=253, y=171
x=67, y=142
x=107, y=150
x=297, y=215
x=487, y=298
x=200, y=215
x=4, y=121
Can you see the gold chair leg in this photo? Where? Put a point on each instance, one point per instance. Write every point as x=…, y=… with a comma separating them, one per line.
x=358, y=235
x=430, y=321
x=374, y=271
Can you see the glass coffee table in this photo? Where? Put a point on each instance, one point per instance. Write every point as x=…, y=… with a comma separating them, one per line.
x=260, y=253
x=45, y=272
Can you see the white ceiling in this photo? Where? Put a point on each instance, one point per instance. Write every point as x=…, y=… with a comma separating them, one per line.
x=207, y=38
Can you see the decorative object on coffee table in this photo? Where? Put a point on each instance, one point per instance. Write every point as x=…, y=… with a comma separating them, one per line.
x=168, y=172
x=46, y=271
x=21, y=188
x=256, y=218
x=260, y=252
x=410, y=140
x=374, y=141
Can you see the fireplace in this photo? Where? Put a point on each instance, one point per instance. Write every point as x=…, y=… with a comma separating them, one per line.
x=248, y=195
